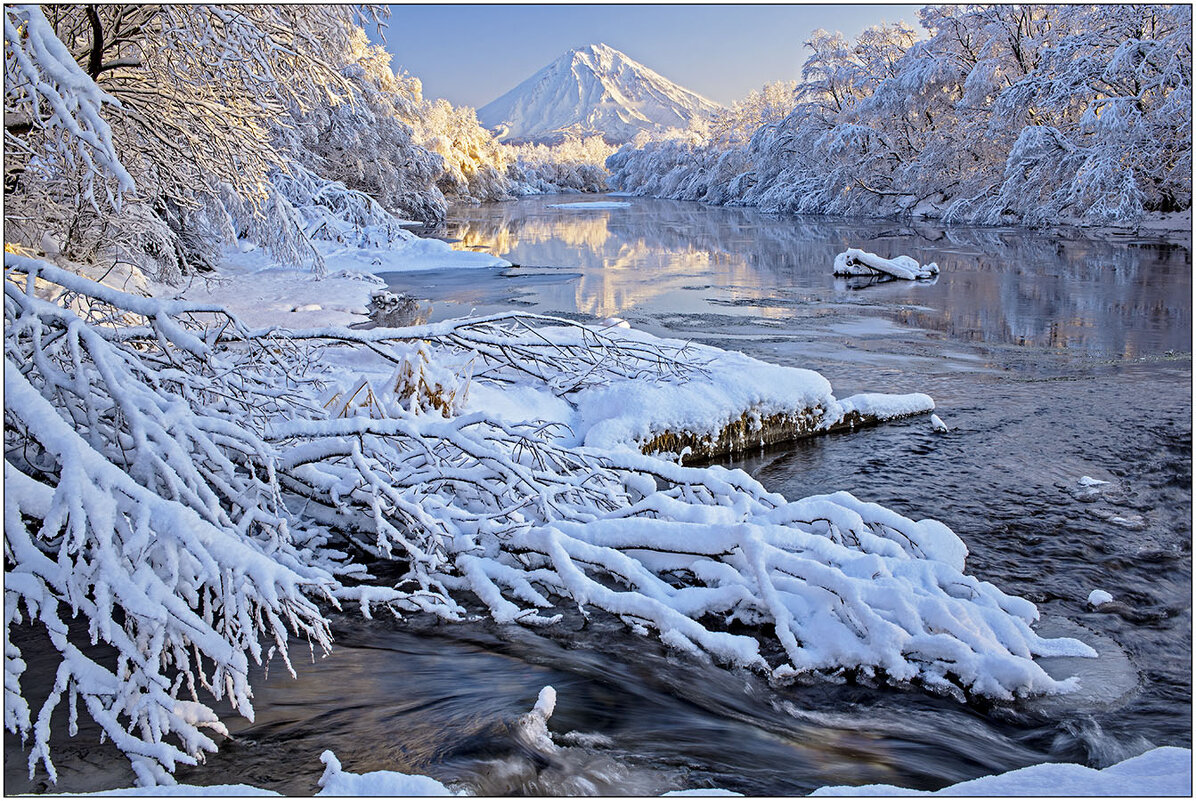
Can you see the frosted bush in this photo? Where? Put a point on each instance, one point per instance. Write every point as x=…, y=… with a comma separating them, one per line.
x=197, y=491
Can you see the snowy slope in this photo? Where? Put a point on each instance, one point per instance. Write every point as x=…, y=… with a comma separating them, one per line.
x=592, y=90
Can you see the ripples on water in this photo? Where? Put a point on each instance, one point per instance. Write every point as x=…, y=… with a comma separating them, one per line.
x=1050, y=358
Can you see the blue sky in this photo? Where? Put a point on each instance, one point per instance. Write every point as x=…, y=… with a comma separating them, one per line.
x=471, y=54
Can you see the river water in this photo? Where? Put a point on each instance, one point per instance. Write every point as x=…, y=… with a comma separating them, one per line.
x=1051, y=357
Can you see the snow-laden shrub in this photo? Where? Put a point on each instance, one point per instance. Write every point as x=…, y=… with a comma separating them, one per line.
x=191, y=491
x=330, y=211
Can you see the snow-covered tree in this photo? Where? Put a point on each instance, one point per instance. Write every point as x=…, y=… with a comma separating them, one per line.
x=1109, y=105
x=1002, y=114
x=190, y=97
x=370, y=143
x=475, y=163
x=574, y=165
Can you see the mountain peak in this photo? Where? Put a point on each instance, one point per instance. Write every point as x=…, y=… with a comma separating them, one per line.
x=596, y=49
x=592, y=90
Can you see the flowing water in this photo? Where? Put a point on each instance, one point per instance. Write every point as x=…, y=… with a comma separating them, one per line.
x=1051, y=357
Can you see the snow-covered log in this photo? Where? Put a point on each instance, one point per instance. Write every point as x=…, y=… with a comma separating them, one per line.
x=854, y=261
x=190, y=488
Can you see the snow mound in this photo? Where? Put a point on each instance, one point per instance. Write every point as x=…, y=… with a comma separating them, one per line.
x=339, y=782
x=1098, y=597
x=854, y=261
x=1165, y=771
x=727, y=389
x=711, y=792
x=187, y=790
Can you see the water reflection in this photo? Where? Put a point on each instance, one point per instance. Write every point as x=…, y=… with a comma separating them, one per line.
x=1113, y=297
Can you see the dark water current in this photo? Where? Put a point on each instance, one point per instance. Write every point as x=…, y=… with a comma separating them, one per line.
x=1051, y=357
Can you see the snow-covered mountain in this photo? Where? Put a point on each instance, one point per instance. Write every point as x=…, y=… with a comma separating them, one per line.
x=592, y=90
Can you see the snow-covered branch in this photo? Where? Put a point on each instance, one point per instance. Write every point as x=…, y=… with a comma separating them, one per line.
x=132, y=500
x=193, y=490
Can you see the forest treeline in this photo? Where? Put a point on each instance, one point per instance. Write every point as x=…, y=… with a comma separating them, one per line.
x=999, y=114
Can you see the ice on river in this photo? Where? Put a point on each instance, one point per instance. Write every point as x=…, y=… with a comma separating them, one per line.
x=593, y=205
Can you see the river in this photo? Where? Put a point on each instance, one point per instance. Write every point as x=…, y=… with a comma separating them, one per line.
x=1051, y=356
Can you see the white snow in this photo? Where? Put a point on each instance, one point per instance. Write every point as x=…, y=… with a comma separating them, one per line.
x=177, y=790
x=593, y=90
x=937, y=424
x=1098, y=597
x=854, y=261
x=1165, y=771
x=704, y=793
x=593, y=205
x=416, y=254
x=253, y=286
x=1088, y=481
x=339, y=782
x=883, y=405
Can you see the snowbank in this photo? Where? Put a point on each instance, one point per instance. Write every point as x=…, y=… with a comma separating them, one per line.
x=339, y=782
x=256, y=288
x=415, y=253
x=735, y=404
x=178, y=790
x=854, y=261
x=1165, y=771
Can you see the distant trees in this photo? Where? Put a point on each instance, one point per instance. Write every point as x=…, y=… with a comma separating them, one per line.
x=1003, y=114
x=575, y=164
